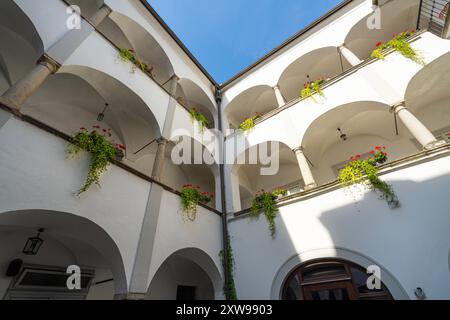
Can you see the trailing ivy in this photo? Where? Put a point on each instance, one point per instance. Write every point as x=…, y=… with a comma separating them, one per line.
x=229, y=287
x=310, y=88
x=191, y=197
x=130, y=55
x=248, y=124
x=365, y=173
x=266, y=201
x=102, y=153
x=200, y=118
x=400, y=44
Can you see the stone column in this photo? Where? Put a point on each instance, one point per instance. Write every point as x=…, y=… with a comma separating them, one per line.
x=158, y=166
x=280, y=99
x=307, y=175
x=349, y=55
x=173, y=85
x=19, y=93
x=100, y=15
x=417, y=128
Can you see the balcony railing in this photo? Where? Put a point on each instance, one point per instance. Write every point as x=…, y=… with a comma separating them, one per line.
x=434, y=17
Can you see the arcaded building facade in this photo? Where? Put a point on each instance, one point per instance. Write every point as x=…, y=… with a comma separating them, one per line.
x=62, y=69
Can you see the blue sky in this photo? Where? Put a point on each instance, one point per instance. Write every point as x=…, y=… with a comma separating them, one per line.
x=227, y=36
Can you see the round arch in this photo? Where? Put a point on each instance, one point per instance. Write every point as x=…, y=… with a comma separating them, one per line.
x=127, y=33
x=428, y=98
x=81, y=93
x=320, y=63
x=259, y=99
x=190, y=267
x=396, y=17
x=21, y=45
x=78, y=241
x=396, y=289
x=192, y=96
x=265, y=166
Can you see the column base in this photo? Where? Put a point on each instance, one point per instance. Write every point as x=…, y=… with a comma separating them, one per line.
x=435, y=144
x=9, y=103
x=310, y=186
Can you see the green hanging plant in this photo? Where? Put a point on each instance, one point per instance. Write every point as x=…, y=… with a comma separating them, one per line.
x=230, y=287
x=102, y=153
x=365, y=173
x=400, y=44
x=130, y=55
x=200, y=118
x=266, y=201
x=248, y=124
x=310, y=88
x=191, y=196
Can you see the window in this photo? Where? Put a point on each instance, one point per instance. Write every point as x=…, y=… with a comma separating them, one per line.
x=331, y=280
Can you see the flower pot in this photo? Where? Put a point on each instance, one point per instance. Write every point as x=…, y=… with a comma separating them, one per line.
x=120, y=155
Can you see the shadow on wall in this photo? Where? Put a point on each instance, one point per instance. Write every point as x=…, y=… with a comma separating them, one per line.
x=410, y=244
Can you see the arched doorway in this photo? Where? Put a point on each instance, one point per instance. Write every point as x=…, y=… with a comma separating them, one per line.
x=331, y=279
x=188, y=274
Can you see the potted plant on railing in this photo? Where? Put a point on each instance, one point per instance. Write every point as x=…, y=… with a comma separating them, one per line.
x=102, y=152
x=200, y=118
x=131, y=56
x=400, y=44
x=266, y=201
x=249, y=123
x=191, y=196
x=365, y=173
x=311, y=88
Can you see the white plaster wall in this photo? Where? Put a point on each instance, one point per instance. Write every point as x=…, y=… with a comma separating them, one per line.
x=183, y=65
x=412, y=243
x=269, y=72
x=382, y=81
x=50, y=30
x=106, y=59
x=35, y=174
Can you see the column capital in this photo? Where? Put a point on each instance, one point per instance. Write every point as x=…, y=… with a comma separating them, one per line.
x=342, y=46
x=102, y=13
x=48, y=62
x=397, y=107
x=175, y=77
x=162, y=140
x=299, y=150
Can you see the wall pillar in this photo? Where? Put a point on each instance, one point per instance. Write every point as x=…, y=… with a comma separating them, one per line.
x=417, y=128
x=307, y=175
x=19, y=93
x=100, y=15
x=280, y=99
x=158, y=166
x=349, y=55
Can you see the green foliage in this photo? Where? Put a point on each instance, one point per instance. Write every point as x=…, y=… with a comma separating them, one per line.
x=200, y=118
x=310, y=88
x=230, y=287
x=248, y=124
x=191, y=197
x=400, y=44
x=365, y=173
x=130, y=55
x=102, y=153
x=266, y=201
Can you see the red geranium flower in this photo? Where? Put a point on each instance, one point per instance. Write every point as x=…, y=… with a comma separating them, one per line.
x=379, y=44
x=96, y=127
x=83, y=129
x=372, y=152
x=93, y=132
